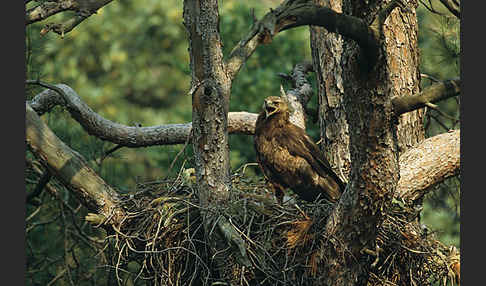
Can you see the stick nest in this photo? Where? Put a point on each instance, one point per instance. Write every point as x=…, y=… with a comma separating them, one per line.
x=162, y=240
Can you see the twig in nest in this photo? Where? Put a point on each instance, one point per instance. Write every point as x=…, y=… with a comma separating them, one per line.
x=108, y=153
x=40, y=186
x=436, y=108
x=427, y=76
x=180, y=152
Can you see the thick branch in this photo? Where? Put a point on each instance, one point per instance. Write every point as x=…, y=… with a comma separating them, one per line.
x=167, y=134
x=96, y=125
x=129, y=136
x=299, y=81
x=63, y=28
x=71, y=168
x=211, y=89
x=431, y=162
x=299, y=96
x=242, y=51
x=291, y=14
x=431, y=94
x=434, y=160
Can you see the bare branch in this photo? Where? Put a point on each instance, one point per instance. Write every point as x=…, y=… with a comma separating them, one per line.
x=299, y=96
x=430, y=7
x=291, y=14
x=71, y=169
x=96, y=125
x=129, y=136
x=83, y=8
x=63, y=28
x=39, y=187
x=429, y=77
x=242, y=51
x=47, y=9
x=106, y=154
x=453, y=7
x=169, y=134
x=431, y=162
x=301, y=84
x=440, y=112
x=242, y=122
x=431, y=94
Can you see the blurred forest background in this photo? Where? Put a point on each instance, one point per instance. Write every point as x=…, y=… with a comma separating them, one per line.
x=130, y=63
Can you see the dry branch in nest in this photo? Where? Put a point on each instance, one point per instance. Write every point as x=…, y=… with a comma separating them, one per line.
x=408, y=254
x=162, y=232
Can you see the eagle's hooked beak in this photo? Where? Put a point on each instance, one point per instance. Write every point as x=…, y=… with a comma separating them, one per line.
x=269, y=108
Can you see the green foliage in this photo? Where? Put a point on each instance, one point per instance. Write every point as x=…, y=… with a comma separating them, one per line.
x=439, y=42
x=129, y=63
x=116, y=66
x=58, y=236
x=258, y=77
x=115, y=60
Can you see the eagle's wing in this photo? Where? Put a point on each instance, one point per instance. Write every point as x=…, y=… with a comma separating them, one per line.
x=298, y=143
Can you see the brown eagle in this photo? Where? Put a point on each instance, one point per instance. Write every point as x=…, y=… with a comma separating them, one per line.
x=289, y=158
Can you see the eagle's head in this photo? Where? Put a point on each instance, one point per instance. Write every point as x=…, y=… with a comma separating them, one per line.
x=274, y=105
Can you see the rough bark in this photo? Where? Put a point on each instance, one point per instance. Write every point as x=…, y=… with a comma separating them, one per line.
x=238, y=122
x=327, y=49
x=83, y=8
x=71, y=169
x=210, y=105
x=300, y=94
x=210, y=100
x=368, y=106
x=290, y=14
x=47, y=9
x=421, y=167
x=432, y=161
x=373, y=149
x=401, y=30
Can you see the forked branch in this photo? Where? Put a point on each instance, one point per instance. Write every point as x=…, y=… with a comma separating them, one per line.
x=83, y=8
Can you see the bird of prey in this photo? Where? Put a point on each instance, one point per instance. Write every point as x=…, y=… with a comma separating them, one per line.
x=289, y=158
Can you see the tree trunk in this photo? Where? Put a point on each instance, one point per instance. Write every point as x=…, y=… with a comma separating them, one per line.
x=403, y=64
x=327, y=49
x=403, y=60
x=210, y=100
x=359, y=132
x=210, y=105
